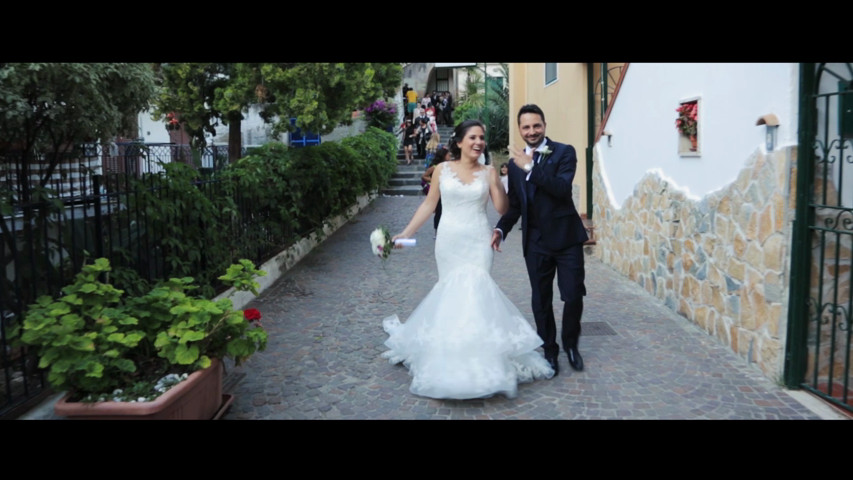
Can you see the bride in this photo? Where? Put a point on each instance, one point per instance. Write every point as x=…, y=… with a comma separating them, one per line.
x=465, y=339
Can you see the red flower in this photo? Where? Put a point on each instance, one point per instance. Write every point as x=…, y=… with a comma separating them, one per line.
x=252, y=314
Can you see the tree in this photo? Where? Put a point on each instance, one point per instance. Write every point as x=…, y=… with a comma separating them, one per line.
x=491, y=107
x=49, y=109
x=319, y=95
x=191, y=90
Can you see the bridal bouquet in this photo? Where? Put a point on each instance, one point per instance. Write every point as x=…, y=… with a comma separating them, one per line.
x=380, y=243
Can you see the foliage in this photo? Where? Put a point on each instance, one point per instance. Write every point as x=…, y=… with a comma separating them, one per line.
x=376, y=161
x=319, y=95
x=302, y=187
x=189, y=90
x=49, y=109
x=182, y=226
x=93, y=340
x=257, y=206
x=260, y=187
x=687, y=121
x=489, y=104
x=381, y=114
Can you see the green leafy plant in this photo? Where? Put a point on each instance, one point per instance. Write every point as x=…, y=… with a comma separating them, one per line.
x=487, y=100
x=184, y=222
x=94, y=341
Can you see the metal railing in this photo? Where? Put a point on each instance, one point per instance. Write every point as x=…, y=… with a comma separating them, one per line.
x=56, y=217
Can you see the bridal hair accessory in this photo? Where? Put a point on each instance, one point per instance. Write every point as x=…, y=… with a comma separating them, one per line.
x=380, y=243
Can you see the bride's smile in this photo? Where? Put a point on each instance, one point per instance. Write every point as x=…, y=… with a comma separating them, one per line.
x=473, y=143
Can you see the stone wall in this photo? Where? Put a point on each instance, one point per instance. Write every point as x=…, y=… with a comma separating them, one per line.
x=722, y=262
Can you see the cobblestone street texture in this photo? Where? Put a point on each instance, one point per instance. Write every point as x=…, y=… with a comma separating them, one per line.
x=643, y=361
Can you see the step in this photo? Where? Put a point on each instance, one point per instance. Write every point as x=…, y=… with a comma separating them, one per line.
x=400, y=182
x=407, y=175
x=415, y=167
x=410, y=190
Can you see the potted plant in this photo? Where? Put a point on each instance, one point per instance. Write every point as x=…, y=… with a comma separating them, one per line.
x=154, y=356
x=687, y=121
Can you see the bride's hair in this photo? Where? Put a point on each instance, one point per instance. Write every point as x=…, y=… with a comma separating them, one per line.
x=459, y=133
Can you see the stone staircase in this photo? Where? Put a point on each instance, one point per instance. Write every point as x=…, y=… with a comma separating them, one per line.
x=407, y=180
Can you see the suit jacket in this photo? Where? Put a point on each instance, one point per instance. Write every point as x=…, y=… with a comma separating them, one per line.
x=551, y=182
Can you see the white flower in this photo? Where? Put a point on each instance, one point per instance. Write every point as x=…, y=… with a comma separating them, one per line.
x=545, y=151
x=380, y=242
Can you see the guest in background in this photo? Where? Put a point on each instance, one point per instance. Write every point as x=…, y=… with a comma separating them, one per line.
x=408, y=131
x=432, y=147
x=447, y=109
x=406, y=89
x=422, y=136
x=439, y=113
x=412, y=98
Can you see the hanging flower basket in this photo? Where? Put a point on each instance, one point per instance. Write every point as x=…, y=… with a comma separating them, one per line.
x=687, y=122
x=172, y=122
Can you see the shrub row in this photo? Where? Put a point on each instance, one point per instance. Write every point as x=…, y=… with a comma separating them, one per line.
x=254, y=208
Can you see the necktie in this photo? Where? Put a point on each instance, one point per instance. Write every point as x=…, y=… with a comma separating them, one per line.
x=535, y=157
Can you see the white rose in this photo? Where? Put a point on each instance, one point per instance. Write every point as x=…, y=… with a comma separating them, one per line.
x=377, y=241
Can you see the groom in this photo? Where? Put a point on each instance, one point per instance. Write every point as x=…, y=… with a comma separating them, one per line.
x=553, y=234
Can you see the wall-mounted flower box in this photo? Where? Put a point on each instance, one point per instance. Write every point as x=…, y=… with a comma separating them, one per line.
x=687, y=124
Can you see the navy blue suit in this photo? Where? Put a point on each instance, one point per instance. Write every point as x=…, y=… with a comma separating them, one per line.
x=553, y=235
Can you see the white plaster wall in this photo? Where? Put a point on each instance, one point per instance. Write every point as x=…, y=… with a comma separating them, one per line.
x=253, y=128
x=733, y=97
x=151, y=131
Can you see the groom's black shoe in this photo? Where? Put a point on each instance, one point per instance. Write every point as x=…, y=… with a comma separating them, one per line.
x=575, y=359
x=553, y=362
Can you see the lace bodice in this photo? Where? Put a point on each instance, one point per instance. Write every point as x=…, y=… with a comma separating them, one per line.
x=464, y=234
x=459, y=196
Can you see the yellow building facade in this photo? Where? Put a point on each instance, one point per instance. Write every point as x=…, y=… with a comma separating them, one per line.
x=566, y=92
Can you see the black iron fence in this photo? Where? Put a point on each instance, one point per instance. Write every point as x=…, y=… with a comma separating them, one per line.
x=56, y=215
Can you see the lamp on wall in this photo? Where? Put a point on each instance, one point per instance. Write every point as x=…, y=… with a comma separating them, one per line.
x=772, y=124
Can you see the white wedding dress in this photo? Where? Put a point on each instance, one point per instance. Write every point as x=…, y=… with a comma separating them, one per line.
x=465, y=339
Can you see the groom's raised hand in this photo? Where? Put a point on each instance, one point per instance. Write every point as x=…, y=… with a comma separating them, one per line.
x=519, y=157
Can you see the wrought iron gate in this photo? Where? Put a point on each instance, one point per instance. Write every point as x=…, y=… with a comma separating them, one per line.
x=819, y=349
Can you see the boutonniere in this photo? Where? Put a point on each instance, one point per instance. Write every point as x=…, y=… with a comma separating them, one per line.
x=544, y=152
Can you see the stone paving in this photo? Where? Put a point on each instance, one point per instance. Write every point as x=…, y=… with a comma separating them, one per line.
x=643, y=361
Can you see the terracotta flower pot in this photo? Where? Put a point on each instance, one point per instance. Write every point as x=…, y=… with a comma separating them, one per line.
x=693, y=143
x=199, y=397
